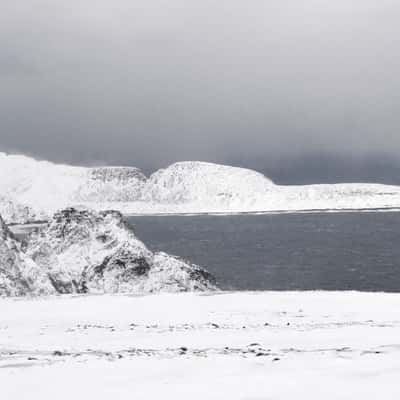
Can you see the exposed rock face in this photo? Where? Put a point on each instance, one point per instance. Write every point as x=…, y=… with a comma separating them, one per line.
x=85, y=251
x=111, y=184
x=19, y=275
x=123, y=175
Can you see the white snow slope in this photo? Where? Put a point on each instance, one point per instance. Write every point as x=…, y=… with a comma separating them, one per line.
x=250, y=346
x=185, y=187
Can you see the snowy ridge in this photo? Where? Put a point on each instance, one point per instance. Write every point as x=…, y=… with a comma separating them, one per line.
x=184, y=187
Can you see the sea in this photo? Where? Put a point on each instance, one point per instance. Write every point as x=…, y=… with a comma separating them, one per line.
x=315, y=251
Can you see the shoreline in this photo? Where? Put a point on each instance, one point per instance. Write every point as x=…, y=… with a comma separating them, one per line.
x=267, y=212
x=34, y=224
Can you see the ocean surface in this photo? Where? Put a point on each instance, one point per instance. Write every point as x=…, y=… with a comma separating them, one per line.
x=330, y=251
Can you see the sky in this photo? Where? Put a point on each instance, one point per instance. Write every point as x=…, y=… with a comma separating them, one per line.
x=305, y=90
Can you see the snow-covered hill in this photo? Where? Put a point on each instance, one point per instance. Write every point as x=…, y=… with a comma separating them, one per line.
x=204, y=187
x=84, y=251
x=199, y=182
x=186, y=187
x=47, y=187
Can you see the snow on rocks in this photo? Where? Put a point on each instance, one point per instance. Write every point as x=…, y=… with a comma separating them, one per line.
x=19, y=274
x=14, y=212
x=46, y=186
x=184, y=187
x=111, y=184
x=84, y=251
x=200, y=182
x=177, y=275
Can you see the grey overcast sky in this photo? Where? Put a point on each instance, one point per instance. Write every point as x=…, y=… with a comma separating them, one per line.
x=284, y=86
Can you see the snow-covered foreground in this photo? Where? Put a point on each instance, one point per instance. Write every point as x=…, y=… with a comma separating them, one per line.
x=267, y=345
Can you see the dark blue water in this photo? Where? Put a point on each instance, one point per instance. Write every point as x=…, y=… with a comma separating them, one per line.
x=340, y=251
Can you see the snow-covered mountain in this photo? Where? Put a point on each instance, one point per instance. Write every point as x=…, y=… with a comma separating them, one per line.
x=31, y=188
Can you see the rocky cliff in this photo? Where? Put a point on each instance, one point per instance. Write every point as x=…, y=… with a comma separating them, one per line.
x=95, y=252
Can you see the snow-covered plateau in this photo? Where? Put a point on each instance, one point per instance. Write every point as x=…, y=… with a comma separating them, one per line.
x=31, y=189
x=269, y=345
